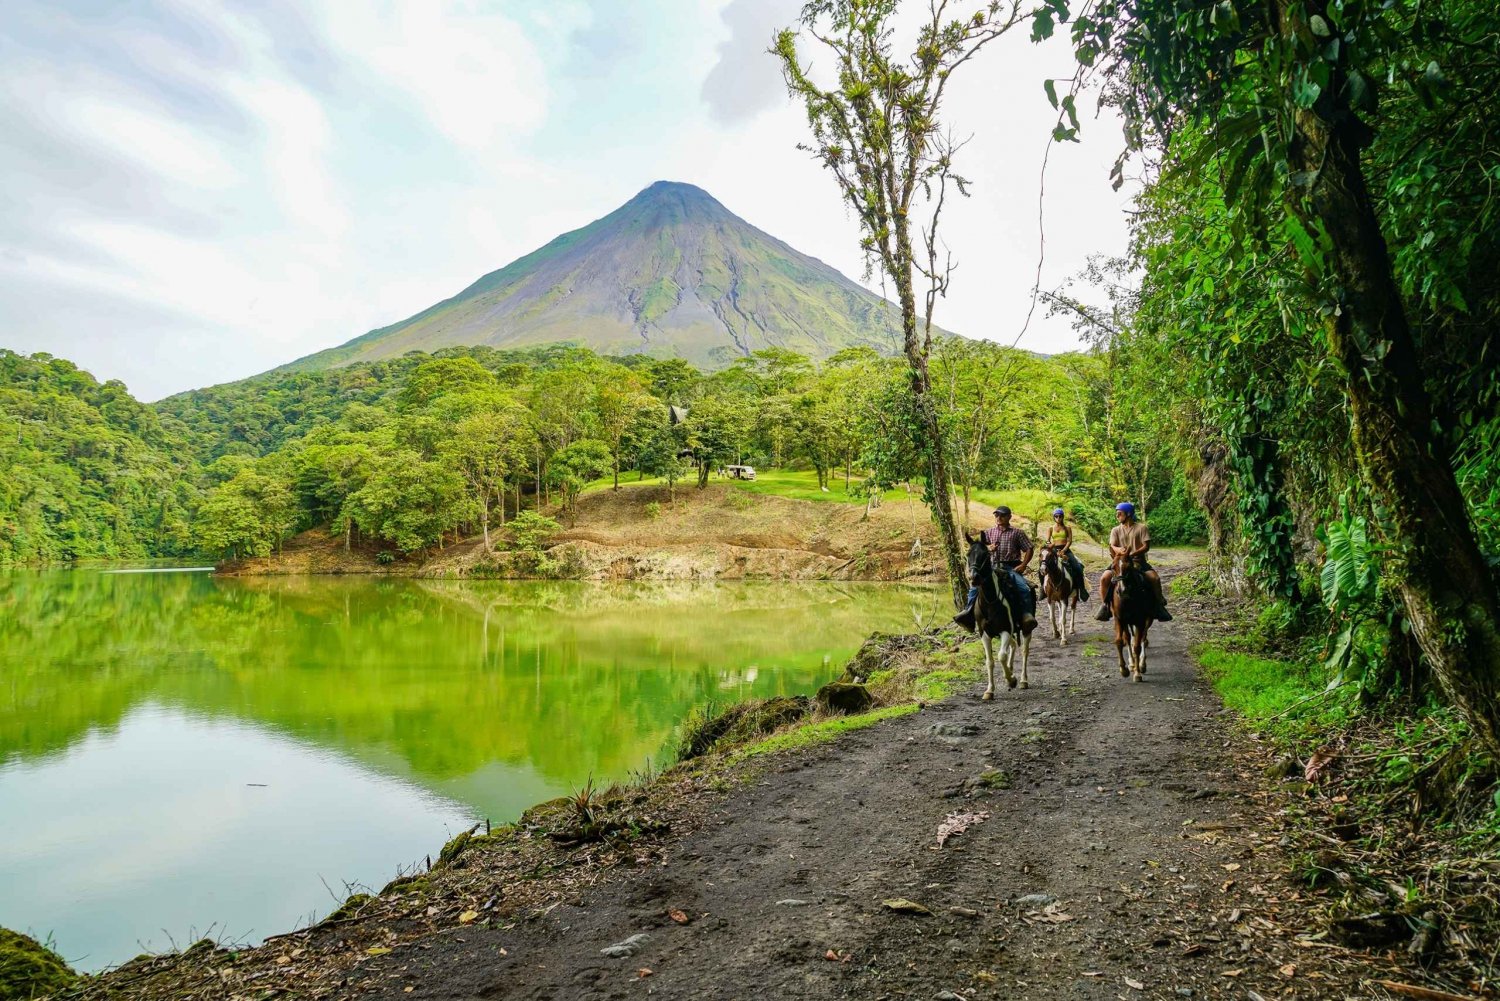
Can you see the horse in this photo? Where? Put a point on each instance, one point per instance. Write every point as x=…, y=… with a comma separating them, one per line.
x=996, y=619
x=1061, y=595
x=1134, y=606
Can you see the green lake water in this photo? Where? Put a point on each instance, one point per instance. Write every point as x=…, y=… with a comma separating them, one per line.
x=182, y=755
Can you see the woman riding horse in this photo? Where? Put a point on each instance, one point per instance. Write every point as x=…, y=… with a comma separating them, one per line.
x=1130, y=539
x=1060, y=538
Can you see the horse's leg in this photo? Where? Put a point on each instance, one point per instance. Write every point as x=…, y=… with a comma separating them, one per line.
x=1008, y=657
x=1052, y=613
x=1072, y=612
x=1145, y=643
x=989, y=665
x=1025, y=643
x=1120, y=637
x=1135, y=653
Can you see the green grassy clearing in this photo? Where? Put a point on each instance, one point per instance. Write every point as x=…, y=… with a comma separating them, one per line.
x=1284, y=698
x=802, y=484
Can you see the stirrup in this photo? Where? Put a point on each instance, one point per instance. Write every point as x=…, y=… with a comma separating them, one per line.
x=1103, y=615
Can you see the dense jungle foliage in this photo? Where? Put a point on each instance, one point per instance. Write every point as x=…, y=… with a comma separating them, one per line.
x=1313, y=298
x=414, y=452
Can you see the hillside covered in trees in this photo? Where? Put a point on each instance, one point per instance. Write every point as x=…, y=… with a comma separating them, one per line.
x=409, y=453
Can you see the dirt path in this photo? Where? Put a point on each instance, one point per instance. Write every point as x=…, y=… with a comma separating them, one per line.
x=1122, y=806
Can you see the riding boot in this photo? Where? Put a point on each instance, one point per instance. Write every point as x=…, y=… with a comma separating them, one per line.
x=1162, y=615
x=1103, y=615
x=966, y=619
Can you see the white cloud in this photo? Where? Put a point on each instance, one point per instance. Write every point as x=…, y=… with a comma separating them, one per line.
x=746, y=79
x=151, y=140
x=472, y=69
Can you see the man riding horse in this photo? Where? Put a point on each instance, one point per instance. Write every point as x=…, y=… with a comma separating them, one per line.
x=1060, y=538
x=1011, y=552
x=1132, y=540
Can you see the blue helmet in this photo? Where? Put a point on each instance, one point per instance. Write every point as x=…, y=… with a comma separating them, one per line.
x=1127, y=507
x=1057, y=512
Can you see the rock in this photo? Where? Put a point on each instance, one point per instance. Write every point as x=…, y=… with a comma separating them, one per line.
x=950, y=996
x=953, y=733
x=29, y=969
x=1035, y=900
x=844, y=697
x=963, y=912
x=1284, y=767
x=627, y=948
x=792, y=902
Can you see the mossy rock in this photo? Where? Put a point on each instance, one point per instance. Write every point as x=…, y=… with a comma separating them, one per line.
x=349, y=908
x=415, y=883
x=29, y=969
x=453, y=849
x=740, y=723
x=846, y=698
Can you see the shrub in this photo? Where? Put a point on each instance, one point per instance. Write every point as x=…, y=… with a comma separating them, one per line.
x=528, y=530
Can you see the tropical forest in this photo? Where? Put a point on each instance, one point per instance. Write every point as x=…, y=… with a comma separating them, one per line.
x=671, y=611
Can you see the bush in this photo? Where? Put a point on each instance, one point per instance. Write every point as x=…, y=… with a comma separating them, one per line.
x=528, y=530
x=653, y=510
x=1177, y=521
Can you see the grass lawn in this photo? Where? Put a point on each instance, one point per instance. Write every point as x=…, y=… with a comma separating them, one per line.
x=803, y=485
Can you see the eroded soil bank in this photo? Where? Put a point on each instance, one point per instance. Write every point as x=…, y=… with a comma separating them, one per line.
x=1124, y=842
x=640, y=532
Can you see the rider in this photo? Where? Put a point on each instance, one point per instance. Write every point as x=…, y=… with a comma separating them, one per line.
x=1060, y=535
x=1130, y=538
x=1011, y=551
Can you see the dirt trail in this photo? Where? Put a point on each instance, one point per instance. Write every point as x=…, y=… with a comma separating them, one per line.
x=1122, y=804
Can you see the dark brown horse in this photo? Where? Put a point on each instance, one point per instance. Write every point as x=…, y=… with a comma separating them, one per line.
x=996, y=617
x=1134, y=607
x=1061, y=595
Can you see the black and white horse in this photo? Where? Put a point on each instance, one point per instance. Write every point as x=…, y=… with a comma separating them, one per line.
x=997, y=618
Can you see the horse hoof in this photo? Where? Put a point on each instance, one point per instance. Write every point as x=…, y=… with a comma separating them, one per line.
x=1064, y=641
x=1010, y=682
x=1025, y=684
x=987, y=697
x=1124, y=672
x=1137, y=677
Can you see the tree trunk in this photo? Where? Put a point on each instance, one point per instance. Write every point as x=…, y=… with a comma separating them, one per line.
x=939, y=492
x=1441, y=576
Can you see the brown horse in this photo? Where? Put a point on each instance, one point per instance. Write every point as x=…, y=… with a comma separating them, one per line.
x=1134, y=607
x=1062, y=597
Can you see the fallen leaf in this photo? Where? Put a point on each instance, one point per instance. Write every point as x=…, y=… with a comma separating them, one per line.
x=1232, y=973
x=283, y=960
x=1288, y=971
x=831, y=956
x=1319, y=762
x=377, y=950
x=903, y=906
x=643, y=973
x=407, y=990
x=297, y=953
x=985, y=977
x=1134, y=985
x=1232, y=867
x=1192, y=950
x=678, y=916
x=959, y=821
x=468, y=917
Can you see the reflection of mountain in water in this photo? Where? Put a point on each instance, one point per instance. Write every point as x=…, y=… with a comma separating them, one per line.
x=436, y=680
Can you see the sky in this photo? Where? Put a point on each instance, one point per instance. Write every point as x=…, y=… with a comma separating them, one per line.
x=195, y=191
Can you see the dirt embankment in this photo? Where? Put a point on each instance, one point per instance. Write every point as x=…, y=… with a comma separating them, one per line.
x=639, y=532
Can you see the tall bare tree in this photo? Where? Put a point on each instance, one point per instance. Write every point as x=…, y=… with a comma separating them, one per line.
x=877, y=127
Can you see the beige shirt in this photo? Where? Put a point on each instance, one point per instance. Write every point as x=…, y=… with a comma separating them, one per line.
x=1133, y=536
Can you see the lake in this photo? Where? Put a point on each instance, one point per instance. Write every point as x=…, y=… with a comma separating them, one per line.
x=183, y=755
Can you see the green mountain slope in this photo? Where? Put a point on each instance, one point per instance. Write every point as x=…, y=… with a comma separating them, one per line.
x=670, y=273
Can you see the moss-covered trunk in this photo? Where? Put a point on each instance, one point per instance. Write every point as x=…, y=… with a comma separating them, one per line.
x=1439, y=572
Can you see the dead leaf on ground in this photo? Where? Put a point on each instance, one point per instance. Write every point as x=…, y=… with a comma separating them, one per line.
x=679, y=916
x=377, y=950
x=1231, y=867
x=1134, y=985
x=1233, y=973
x=468, y=917
x=643, y=973
x=959, y=821
x=1319, y=762
x=903, y=906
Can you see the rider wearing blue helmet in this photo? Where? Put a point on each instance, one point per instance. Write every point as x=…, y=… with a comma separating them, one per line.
x=1060, y=538
x=1130, y=538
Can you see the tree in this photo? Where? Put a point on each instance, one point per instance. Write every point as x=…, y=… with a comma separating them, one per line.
x=488, y=448
x=620, y=404
x=659, y=453
x=1289, y=92
x=878, y=130
x=573, y=466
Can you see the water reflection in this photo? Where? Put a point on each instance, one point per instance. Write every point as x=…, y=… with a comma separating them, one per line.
x=177, y=750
